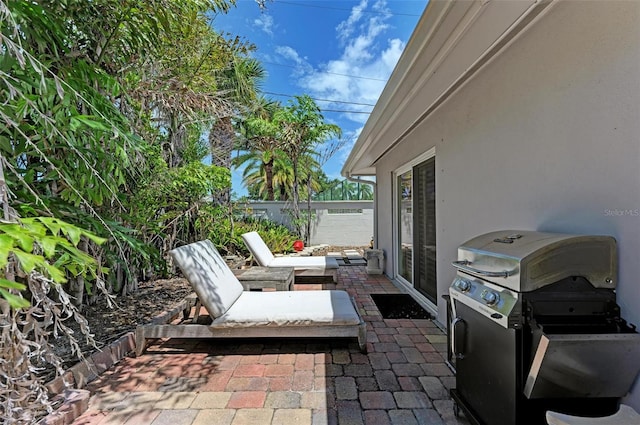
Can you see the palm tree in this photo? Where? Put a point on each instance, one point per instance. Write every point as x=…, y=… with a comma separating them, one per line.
x=366, y=191
x=303, y=127
x=270, y=172
x=283, y=178
x=261, y=141
x=255, y=177
x=240, y=80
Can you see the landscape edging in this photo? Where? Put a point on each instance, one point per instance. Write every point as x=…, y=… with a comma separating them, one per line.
x=70, y=384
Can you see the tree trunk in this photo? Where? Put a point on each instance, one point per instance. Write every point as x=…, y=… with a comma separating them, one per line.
x=296, y=207
x=221, y=143
x=176, y=134
x=8, y=216
x=76, y=286
x=308, y=231
x=268, y=170
x=120, y=287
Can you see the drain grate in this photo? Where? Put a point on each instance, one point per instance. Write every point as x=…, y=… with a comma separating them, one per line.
x=399, y=306
x=346, y=261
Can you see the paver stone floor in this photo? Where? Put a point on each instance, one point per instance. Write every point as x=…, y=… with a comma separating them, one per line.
x=402, y=380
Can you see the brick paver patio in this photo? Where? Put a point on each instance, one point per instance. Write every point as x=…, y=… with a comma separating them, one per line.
x=402, y=380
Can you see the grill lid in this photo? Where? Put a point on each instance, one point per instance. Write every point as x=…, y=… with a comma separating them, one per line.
x=524, y=260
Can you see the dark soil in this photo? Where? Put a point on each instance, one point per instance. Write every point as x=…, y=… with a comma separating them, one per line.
x=138, y=308
x=108, y=324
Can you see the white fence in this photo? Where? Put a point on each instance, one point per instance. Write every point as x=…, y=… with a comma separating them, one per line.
x=338, y=223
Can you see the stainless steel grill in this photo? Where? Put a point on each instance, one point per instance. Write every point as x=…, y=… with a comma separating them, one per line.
x=535, y=326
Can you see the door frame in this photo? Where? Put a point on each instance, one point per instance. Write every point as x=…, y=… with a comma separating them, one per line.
x=405, y=284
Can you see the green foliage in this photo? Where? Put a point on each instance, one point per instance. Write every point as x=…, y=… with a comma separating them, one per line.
x=344, y=190
x=101, y=114
x=216, y=224
x=48, y=246
x=278, y=149
x=197, y=179
x=102, y=105
x=278, y=238
x=303, y=129
x=268, y=174
x=170, y=192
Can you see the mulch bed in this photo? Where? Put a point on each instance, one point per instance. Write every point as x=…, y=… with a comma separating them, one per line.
x=109, y=324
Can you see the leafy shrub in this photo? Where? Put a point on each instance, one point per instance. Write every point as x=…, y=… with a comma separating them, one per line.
x=37, y=257
x=277, y=237
x=225, y=231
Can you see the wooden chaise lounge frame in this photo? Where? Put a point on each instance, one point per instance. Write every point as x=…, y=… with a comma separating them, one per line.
x=239, y=314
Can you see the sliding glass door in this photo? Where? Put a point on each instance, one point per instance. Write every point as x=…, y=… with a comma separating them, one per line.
x=416, y=226
x=424, y=235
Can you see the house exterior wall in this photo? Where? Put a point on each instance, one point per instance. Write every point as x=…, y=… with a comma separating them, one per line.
x=338, y=223
x=545, y=137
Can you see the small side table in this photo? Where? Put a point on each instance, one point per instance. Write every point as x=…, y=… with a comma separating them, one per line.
x=253, y=278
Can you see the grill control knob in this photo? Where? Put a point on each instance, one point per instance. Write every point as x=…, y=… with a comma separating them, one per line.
x=490, y=297
x=464, y=285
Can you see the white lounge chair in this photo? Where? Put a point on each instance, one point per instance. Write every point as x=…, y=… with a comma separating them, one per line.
x=243, y=314
x=265, y=258
x=310, y=269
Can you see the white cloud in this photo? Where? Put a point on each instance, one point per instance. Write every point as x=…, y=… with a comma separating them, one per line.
x=391, y=55
x=365, y=53
x=346, y=28
x=365, y=50
x=264, y=23
x=288, y=53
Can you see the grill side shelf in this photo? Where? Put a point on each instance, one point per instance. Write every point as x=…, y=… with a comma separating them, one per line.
x=583, y=365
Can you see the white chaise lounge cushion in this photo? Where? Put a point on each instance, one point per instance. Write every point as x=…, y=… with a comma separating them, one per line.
x=258, y=248
x=303, y=263
x=303, y=308
x=265, y=258
x=211, y=278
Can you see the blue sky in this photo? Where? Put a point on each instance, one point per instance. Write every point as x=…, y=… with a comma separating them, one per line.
x=340, y=53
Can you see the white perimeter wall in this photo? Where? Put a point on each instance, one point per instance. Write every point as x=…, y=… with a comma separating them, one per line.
x=546, y=137
x=340, y=229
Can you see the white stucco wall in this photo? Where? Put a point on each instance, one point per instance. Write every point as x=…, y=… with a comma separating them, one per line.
x=330, y=225
x=546, y=137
